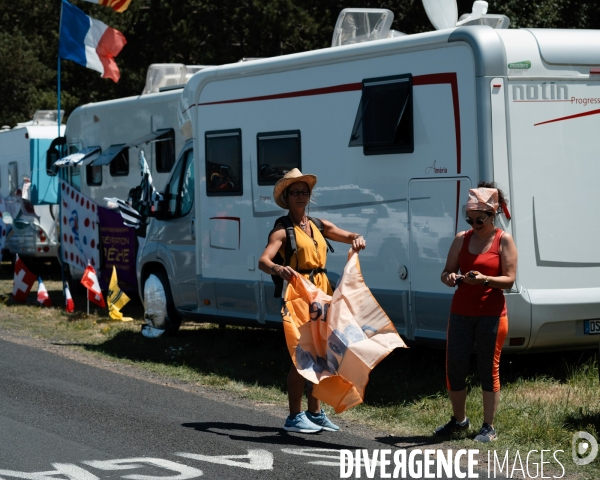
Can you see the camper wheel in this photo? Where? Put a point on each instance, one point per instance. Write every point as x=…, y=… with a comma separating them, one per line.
x=157, y=296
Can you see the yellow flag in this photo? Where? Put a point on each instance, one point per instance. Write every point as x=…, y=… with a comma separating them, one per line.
x=116, y=299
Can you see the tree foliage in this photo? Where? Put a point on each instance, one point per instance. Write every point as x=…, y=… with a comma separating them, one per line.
x=203, y=32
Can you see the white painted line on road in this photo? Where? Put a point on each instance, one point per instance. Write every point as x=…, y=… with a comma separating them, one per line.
x=184, y=471
x=72, y=472
x=317, y=452
x=256, y=459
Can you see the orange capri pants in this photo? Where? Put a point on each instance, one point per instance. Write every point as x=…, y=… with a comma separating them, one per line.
x=487, y=335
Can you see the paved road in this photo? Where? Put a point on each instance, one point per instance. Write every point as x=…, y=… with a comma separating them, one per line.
x=63, y=419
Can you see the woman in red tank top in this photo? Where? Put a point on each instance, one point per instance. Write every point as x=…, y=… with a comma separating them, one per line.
x=486, y=258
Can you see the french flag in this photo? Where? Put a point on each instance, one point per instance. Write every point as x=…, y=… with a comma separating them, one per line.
x=89, y=42
x=42, y=296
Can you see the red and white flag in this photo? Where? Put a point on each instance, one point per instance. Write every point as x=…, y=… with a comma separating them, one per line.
x=70, y=305
x=90, y=281
x=42, y=297
x=22, y=282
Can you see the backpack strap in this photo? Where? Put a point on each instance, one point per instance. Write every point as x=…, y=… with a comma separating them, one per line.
x=319, y=224
x=291, y=247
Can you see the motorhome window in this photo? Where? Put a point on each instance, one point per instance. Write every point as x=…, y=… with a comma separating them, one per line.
x=187, y=185
x=93, y=175
x=119, y=166
x=224, y=162
x=278, y=153
x=384, y=120
x=173, y=190
x=165, y=151
x=13, y=180
x=55, y=152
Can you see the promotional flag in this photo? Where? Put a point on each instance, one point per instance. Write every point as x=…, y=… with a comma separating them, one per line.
x=89, y=42
x=42, y=295
x=335, y=341
x=90, y=281
x=79, y=228
x=69, y=304
x=116, y=299
x=117, y=5
x=22, y=282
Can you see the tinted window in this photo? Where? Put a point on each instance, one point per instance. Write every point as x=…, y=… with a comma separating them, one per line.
x=119, y=167
x=278, y=153
x=54, y=153
x=173, y=189
x=93, y=175
x=384, y=121
x=224, y=162
x=165, y=151
x=187, y=185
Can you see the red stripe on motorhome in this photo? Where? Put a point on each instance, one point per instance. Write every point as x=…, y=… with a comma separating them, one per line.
x=584, y=114
x=418, y=80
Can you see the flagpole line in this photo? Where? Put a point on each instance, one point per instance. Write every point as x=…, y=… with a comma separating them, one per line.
x=58, y=69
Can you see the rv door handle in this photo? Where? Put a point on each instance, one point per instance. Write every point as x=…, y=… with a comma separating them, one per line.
x=193, y=228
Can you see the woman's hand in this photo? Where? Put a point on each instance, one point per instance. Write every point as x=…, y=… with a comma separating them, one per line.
x=359, y=243
x=474, y=278
x=450, y=279
x=287, y=273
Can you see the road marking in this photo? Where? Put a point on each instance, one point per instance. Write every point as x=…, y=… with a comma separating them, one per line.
x=72, y=472
x=316, y=452
x=184, y=471
x=257, y=459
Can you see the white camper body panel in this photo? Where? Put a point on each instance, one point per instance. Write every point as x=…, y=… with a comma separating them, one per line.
x=125, y=122
x=30, y=236
x=408, y=206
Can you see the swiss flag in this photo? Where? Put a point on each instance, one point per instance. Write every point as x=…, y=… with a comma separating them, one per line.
x=42, y=297
x=70, y=305
x=22, y=282
x=90, y=281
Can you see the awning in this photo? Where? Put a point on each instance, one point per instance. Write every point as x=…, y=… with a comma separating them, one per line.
x=87, y=154
x=148, y=138
x=108, y=155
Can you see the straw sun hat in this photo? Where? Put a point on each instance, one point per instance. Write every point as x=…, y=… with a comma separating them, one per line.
x=290, y=177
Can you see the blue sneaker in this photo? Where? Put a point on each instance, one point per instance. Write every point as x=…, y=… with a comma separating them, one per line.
x=322, y=421
x=300, y=424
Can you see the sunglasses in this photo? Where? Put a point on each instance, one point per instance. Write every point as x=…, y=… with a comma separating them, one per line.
x=478, y=220
x=296, y=193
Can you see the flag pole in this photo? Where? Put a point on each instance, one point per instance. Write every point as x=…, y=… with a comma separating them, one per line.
x=58, y=68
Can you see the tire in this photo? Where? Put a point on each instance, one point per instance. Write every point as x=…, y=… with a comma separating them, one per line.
x=169, y=319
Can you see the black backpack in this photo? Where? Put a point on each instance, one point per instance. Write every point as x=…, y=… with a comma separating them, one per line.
x=291, y=248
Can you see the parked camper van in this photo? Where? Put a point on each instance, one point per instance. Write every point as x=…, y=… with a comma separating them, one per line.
x=23, y=177
x=104, y=140
x=397, y=131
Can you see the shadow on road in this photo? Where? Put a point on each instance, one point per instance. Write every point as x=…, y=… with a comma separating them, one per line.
x=275, y=436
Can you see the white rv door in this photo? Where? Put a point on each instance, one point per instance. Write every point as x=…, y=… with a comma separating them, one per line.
x=435, y=216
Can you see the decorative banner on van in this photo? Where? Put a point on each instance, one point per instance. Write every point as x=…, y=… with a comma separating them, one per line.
x=119, y=250
x=336, y=341
x=520, y=65
x=78, y=228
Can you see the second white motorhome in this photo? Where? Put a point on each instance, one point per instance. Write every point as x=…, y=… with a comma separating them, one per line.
x=397, y=131
x=104, y=140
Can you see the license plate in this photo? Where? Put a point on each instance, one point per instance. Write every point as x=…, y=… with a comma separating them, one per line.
x=591, y=327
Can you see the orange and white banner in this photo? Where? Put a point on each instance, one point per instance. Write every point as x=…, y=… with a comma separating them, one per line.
x=335, y=341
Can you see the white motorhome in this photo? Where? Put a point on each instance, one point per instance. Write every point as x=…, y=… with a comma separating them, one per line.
x=23, y=176
x=101, y=151
x=109, y=136
x=397, y=130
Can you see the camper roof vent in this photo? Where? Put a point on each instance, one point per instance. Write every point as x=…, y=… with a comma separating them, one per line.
x=357, y=25
x=166, y=76
x=494, y=21
x=43, y=118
